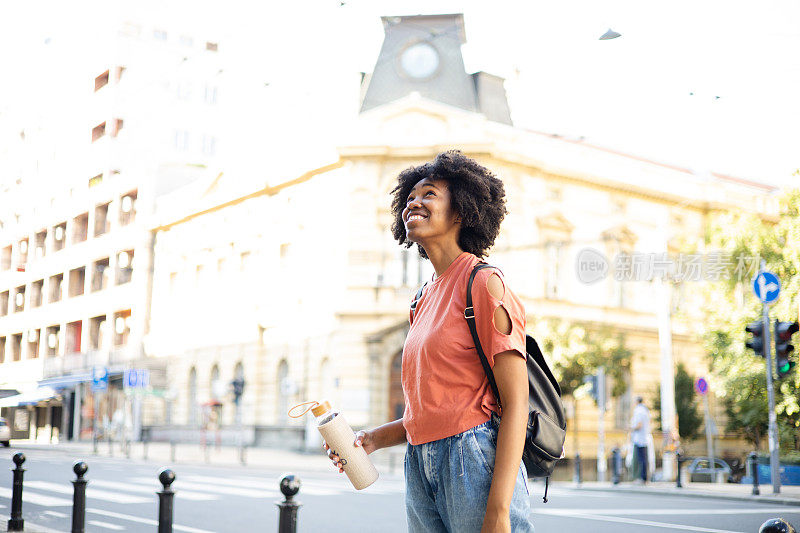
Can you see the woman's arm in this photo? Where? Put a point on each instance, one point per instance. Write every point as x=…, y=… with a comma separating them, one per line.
x=511, y=376
x=389, y=434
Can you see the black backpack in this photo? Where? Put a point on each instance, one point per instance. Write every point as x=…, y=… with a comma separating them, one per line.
x=547, y=425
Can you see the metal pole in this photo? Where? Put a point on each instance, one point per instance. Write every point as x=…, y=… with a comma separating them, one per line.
x=165, y=497
x=79, y=497
x=578, y=468
x=709, y=438
x=774, y=449
x=287, y=514
x=16, y=523
x=601, y=428
x=753, y=458
x=679, y=459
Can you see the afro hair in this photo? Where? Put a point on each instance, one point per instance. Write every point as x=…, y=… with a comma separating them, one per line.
x=476, y=194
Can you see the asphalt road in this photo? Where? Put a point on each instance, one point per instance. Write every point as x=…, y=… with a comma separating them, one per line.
x=122, y=497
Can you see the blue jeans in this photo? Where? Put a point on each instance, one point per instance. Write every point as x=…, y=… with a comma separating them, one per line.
x=448, y=481
x=641, y=457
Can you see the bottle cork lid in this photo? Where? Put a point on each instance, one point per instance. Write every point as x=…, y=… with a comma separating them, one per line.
x=321, y=409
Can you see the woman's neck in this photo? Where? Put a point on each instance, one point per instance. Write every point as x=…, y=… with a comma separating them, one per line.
x=443, y=257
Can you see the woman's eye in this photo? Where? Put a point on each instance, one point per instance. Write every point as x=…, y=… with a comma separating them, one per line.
x=429, y=192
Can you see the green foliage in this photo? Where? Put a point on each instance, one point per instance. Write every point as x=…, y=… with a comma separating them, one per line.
x=576, y=351
x=686, y=404
x=730, y=305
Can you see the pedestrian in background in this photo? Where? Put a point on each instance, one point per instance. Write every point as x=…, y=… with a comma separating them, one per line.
x=640, y=430
x=463, y=465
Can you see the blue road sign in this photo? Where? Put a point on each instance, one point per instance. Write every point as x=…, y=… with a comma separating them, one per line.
x=701, y=386
x=136, y=378
x=767, y=287
x=99, y=378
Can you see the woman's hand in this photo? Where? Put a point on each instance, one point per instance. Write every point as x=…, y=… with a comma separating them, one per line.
x=496, y=521
x=364, y=439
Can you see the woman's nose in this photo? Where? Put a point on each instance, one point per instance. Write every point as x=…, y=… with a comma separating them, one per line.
x=412, y=203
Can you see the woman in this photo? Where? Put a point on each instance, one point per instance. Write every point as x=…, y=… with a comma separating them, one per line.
x=463, y=469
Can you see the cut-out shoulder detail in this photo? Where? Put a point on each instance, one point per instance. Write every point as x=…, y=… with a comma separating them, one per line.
x=496, y=286
x=502, y=321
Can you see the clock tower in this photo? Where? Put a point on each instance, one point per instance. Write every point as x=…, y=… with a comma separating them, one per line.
x=423, y=54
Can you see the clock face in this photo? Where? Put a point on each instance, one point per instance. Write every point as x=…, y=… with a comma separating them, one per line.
x=420, y=60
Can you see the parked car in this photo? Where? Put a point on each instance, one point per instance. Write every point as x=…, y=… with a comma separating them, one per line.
x=5, y=432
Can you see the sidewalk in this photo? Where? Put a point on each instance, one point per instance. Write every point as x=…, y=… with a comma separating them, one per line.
x=789, y=495
x=387, y=461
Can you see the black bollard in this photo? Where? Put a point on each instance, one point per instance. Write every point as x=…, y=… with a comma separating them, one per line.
x=753, y=458
x=287, y=514
x=578, y=468
x=616, y=466
x=680, y=460
x=79, y=498
x=776, y=525
x=16, y=523
x=165, y=497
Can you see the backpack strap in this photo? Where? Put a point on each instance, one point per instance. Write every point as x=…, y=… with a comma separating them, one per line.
x=469, y=314
x=417, y=297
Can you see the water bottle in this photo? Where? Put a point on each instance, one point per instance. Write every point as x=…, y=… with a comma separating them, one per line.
x=341, y=438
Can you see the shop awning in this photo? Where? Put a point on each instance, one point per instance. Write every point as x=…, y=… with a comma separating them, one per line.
x=29, y=398
x=65, y=381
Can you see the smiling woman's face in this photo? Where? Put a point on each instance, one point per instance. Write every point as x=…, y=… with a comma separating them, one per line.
x=428, y=215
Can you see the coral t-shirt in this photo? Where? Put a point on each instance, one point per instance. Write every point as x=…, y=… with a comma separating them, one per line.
x=445, y=387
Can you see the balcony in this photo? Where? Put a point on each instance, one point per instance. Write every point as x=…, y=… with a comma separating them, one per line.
x=73, y=363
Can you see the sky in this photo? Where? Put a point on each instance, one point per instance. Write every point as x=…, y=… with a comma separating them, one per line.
x=709, y=85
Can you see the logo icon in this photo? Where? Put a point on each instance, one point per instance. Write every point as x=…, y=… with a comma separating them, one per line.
x=591, y=266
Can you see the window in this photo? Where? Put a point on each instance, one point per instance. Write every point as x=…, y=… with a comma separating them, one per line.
x=16, y=347
x=36, y=293
x=33, y=343
x=97, y=326
x=116, y=126
x=101, y=222
x=77, y=281
x=2, y=350
x=552, y=269
x=124, y=267
x=211, y=47
x=23, y=252
x=19, y=299
x=53, y=340
x=3, y=303
x=553, y=194
x=5, y=258
x=182, y=140
x=74, y=331
x=209, y=144
x=211, y=94
x=98, y=131
x=80, y=228
x=100, y=275
x=41, y=244
x=244, y=261
x=217, y=387
x=122, y=327
x=127, y=208
x=101, y=81
x=55, y=287
x=59, y=236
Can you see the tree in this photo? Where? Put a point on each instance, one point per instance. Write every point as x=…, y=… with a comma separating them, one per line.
x=730, y=305
x=689, y=419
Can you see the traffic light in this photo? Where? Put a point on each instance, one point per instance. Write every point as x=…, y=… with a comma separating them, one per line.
x=593, y=389
x=238, y=389
x=756, y=343
x=783, y=349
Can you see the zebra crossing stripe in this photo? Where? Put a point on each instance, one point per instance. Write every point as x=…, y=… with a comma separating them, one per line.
x=147, y=521
x=37, y=499
x=234, y=491
x=106, y=525
x=90, y=493
x=184, y=494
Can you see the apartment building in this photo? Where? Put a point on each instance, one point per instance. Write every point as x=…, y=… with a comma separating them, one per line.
x=76, y=251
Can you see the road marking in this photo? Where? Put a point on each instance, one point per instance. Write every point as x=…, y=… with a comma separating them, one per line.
x=107, y=525
x=37, y=499
x=766, y=510
x=580, y=514
x=147, y=521
x=184, y=494
x=31, y=526
x=90, y=493
x=203, y=487
x=56, y=514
